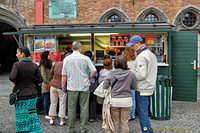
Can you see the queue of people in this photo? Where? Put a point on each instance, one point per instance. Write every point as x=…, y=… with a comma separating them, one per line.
x=132, y=82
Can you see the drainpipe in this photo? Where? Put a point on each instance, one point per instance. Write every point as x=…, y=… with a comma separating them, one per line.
x=39, y=11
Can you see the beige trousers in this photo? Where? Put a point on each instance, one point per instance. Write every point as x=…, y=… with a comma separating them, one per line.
x=56, y=93
x=121, y=114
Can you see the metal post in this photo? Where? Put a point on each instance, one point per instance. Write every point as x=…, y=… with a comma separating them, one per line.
x=92, y=41
x=21, y=40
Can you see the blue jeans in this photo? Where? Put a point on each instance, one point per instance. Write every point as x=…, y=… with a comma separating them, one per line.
x=142, y=109
x=46, y=103
x=134, y=104
x=66, y=111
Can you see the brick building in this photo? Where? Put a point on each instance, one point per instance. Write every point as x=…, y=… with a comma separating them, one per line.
x=24, y=12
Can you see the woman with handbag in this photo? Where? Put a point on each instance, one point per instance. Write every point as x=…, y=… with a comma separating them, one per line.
x=22, y=75
x=107, y=67
x=45, y=67
x=121, y=80
x=93, y=86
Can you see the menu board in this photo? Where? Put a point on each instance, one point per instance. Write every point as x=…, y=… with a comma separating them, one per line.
x=50, y=44
x=42, y=43
x=39, y=45
x=119, y=40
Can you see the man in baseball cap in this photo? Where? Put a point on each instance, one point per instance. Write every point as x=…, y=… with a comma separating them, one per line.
x=134, y=41
x=145, y=70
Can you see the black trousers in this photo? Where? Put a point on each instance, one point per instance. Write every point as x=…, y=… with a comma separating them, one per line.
x=92, y=106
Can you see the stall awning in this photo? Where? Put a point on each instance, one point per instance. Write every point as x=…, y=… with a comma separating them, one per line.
x=11, y=33
x=96, y=28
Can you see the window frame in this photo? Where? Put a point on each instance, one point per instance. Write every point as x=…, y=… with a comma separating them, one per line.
x=196, y=19
x=153, y=15
x=114, y=15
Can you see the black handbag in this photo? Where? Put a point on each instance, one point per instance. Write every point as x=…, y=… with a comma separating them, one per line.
x=93, y=86
x=13, y=97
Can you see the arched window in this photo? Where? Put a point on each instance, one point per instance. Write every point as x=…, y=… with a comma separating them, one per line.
x=114, y=18
x=113, y=15
x=152, y=14
x=151, y=18
x=189, y=19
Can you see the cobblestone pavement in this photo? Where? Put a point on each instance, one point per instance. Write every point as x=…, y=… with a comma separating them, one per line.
x=185, y=117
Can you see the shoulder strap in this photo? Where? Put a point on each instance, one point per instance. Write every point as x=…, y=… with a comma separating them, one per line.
x=114, y=83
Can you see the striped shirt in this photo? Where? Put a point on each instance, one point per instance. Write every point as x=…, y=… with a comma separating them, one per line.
x=76, y=66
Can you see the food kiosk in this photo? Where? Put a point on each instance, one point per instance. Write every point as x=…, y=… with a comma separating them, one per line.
x=111, y=39
x=102, y=39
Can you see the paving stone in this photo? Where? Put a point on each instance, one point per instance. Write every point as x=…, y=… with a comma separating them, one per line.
x=184, y=117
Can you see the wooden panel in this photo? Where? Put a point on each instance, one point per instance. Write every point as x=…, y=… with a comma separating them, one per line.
x=184, y=77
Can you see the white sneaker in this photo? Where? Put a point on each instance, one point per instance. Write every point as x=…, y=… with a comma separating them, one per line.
x=62, y=123
x=47, y=117
x=51, y=122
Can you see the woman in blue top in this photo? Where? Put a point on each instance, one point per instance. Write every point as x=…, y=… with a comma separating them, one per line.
x=130, y=55
x=93, y=86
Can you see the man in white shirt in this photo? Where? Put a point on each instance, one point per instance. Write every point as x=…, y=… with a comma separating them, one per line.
x=75, y=77
x=145, y=70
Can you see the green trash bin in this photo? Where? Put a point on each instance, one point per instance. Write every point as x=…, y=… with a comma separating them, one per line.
x=160, y=101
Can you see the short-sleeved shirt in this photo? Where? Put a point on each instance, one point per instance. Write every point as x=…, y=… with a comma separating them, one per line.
x=76, y=66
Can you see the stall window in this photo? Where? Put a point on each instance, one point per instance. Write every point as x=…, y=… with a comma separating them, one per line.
x=65, y=41
x=114, y=45
x=157, y=43
x=151, y=18
x=57, y=45
x=189, y=19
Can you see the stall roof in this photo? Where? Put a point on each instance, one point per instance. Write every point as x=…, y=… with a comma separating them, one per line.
x=96, y=28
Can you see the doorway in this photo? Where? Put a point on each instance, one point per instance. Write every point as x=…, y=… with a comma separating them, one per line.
x=8, y=47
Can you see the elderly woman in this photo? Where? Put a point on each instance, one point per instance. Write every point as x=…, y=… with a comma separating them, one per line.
x=107, y=67
x=24, y=74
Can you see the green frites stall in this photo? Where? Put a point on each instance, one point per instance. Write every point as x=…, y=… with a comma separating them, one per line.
x=176, y=53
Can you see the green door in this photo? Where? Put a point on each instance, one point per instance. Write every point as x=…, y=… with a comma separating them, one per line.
x=184, y=65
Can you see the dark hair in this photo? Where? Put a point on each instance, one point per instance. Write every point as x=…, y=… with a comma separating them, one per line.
x=121, y=62
x=89, y=54
x=106, y=56
x=107, y=64
x=45, y=61
x=24, y=50
x=64, y=55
